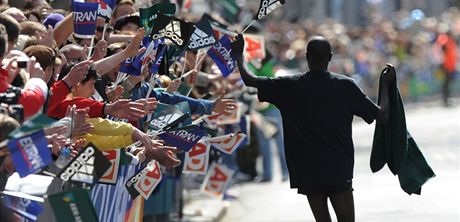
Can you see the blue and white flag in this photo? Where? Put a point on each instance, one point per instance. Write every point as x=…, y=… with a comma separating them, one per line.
x=143, y=59
x=184, y=138
x=84, y=19
x=222, y=55
x=30, y=153
x=105, y=9
x=128, y=67
x=159, y=58
x=22, y=204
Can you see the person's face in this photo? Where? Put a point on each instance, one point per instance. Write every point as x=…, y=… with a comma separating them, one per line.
x=124, y=9
x=100, y=29
x=33, y=18
x=131, y=27
x=75, y=54
x=86, y=89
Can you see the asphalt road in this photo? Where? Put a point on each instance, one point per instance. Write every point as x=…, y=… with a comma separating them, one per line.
x=378, y=197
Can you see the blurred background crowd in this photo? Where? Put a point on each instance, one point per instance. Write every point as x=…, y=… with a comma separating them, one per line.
x=420, y=37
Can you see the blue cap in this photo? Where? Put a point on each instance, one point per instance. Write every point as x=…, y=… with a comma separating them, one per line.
x=53, y=19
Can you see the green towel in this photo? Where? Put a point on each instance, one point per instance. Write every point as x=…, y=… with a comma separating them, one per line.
x=390, y=140
x=394, y=146
x=415, y=171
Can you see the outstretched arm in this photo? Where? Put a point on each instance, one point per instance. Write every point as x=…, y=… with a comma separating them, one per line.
x=386, y=77
x=238, y=47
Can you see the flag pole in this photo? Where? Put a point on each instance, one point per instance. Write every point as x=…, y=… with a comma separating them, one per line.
x=252, y=23
x=105, y=28
x=90, y=49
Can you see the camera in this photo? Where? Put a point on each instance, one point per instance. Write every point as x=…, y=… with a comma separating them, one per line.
x=22, y=62
x=15, y=111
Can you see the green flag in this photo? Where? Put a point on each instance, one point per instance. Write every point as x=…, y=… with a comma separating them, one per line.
x=72, y=206
x=38, y=122
x=150, y=14
x=231, y=9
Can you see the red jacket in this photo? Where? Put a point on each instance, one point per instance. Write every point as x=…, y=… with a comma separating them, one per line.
x=96, y=109
x=58, y=92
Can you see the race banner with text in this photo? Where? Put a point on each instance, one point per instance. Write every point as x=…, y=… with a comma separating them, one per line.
x=227, y=143
x=86, y=168
x=217, y=180
x=30, y=153
x=221, y=54
x=166, y=117
x=183, y=138
x=174, y=29
x=197, y=159
x=84, y=19
x=203, y=36
x=145, y=181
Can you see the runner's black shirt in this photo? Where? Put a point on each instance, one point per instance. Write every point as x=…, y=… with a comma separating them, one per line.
x=317, y=111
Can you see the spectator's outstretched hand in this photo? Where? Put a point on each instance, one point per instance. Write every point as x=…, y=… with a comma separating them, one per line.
x=46, y=38
x=133, y=48
x=34, y=69
x=150, y=104
x=100, y=50
x=125, y=109
x=224, y=105
x=77, y=73
x=80, y=126
x=238, y=45
x=115, y=93
x=173, y=85
x=166, y=155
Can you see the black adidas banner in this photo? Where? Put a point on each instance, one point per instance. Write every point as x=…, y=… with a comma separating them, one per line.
x=267, y=6
x=86, y=168
x=203, y=36
x=174, y=29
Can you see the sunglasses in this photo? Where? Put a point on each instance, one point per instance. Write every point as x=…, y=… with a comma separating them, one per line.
x=101, y=29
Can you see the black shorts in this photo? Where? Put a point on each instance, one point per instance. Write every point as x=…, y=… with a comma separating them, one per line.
x=326, y=189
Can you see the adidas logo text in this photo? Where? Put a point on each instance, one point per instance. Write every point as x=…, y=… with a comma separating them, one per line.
x=263, y=10
x=78, y=163
x=172, y=31
x=200, y=38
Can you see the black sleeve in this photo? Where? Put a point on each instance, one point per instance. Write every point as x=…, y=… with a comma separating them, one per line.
x=273, y=90
x=360, y=104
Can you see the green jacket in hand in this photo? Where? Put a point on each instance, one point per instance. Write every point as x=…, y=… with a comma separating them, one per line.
x=394, y=146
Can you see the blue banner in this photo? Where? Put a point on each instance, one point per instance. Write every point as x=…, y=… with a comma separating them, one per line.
x=84, y=19
x=30, y=153
x=24, y=205
x=222, y=55
x=184, y=138
x=203, y=36
x=158, y=59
